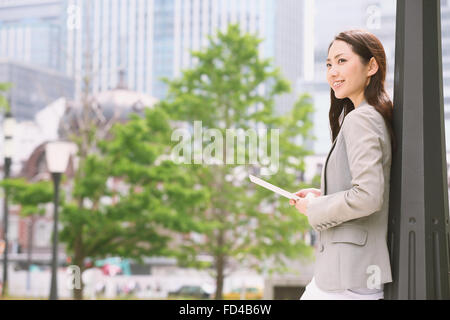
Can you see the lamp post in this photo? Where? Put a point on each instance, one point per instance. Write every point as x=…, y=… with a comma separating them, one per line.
x=30, y=248
x=8, y=131
x=57, y=156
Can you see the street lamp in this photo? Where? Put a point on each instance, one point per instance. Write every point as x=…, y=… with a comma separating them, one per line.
x=8, y=131
x=57, y=155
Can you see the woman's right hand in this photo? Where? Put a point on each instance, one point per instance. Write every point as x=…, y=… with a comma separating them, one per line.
x=304, y=192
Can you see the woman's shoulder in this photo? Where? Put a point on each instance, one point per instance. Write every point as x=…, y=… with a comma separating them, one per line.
x=365, y=114
x=362, y=121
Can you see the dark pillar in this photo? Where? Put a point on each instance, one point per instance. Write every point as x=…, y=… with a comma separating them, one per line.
x=5, y=230
x=418, y=235
x=29, y=250
x=54, y=278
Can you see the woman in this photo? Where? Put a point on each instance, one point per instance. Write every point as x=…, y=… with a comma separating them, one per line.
x=350, y=211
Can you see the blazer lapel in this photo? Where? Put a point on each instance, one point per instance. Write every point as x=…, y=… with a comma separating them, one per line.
x=325, y=167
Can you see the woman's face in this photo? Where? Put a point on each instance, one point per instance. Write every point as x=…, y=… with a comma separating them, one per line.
x=346, y=74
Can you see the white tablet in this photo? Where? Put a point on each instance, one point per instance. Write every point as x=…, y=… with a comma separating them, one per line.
x=273, y=188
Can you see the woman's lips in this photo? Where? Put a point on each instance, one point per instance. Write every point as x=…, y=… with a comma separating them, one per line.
x=338, y=84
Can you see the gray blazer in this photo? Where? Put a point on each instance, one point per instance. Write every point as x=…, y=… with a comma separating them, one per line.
x=351, y=216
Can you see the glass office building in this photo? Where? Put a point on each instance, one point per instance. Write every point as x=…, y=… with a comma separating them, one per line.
x=30, y=32
x=33, y=87
x=150, y=39
x=153, y=39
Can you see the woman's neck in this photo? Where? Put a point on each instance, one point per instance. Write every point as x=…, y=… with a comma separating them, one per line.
x=358, y=100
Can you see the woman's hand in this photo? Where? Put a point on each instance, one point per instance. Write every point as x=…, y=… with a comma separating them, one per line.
x=302, y=204
x=304, y=192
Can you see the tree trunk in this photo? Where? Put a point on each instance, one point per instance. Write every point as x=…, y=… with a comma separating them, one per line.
x=220, y=266
x=78, y=293
x=29, y=250
x=79, y=262
x=78, y=290
x=219, y=277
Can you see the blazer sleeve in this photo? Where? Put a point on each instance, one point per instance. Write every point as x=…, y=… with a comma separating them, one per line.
x=362, y=136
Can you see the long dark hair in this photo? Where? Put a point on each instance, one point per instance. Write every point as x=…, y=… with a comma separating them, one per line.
x=365, y=45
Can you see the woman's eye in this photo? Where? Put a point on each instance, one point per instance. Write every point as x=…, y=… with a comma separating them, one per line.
x=341, y=59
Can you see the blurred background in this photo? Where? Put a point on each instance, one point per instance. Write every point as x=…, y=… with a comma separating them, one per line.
x=115, y=78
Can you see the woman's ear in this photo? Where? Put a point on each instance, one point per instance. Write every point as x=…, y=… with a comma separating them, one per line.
x=373, y=67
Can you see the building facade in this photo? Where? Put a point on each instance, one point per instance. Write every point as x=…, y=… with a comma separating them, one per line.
x=30, y=32
x=33, y=88
x=153, y=39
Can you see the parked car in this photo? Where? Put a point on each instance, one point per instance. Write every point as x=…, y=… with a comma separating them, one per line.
x=251, y=293
x=191, y=291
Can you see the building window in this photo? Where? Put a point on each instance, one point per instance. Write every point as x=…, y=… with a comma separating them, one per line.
x=42, y=234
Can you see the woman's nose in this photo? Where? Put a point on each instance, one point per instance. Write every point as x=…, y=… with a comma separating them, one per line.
x=332, y=71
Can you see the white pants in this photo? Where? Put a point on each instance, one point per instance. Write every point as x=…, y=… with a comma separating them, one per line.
x=312, y=292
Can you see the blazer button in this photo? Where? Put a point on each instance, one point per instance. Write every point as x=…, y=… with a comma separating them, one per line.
x=321, y=247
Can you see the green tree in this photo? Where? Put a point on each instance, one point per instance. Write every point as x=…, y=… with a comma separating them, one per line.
x=123, y=200
x=136, y=218
x=4, y=104
x=316, y=181
x=31, y=197
x=243, y=222
x=28, y=195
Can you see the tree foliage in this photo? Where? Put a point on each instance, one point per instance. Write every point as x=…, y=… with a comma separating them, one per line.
x=126, y=201
x=30, y=196
x=4, y=104
x=231, y=86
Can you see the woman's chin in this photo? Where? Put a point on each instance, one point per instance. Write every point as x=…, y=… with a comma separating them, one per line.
x=339, y=96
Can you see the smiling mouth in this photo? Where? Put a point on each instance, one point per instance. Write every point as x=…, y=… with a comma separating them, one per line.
x=338, y=84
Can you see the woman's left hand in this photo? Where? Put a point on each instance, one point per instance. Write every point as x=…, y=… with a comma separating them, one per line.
x=300, y=204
